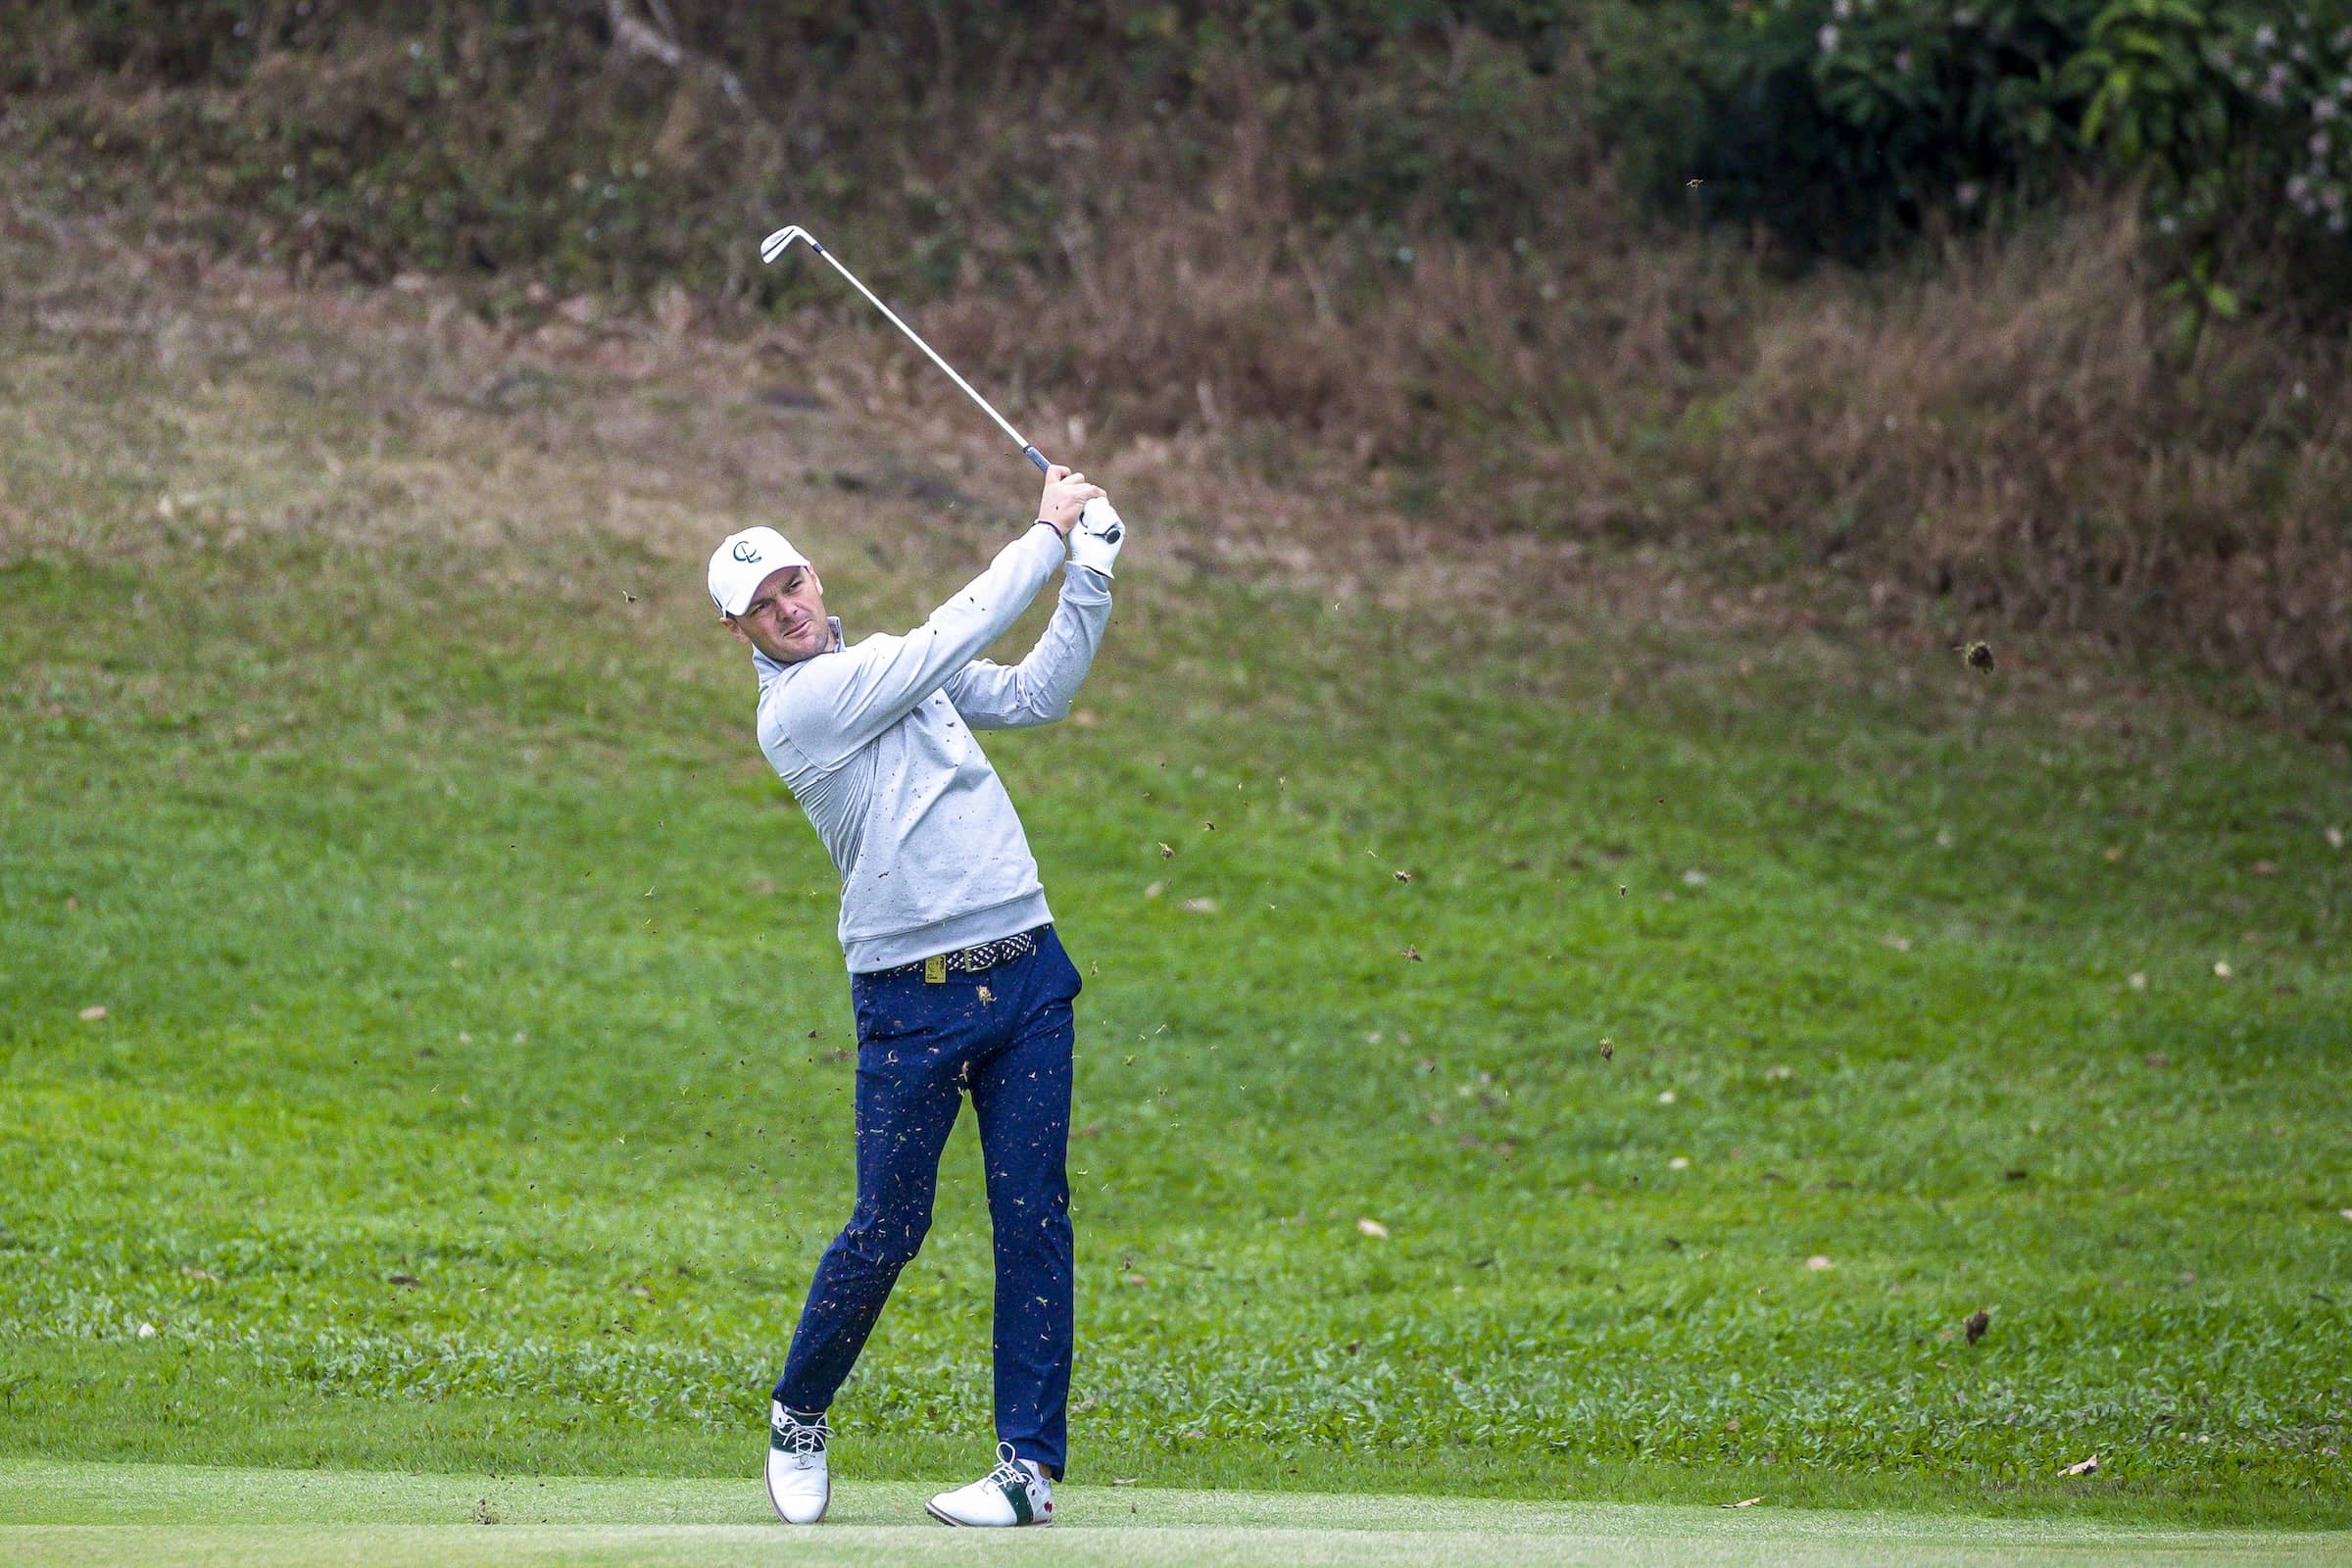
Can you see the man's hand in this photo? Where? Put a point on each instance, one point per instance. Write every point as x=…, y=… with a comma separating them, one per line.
x=1096, y=541
x=1066, y=495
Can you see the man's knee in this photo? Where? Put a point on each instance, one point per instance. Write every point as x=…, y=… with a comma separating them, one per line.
x=889, y=1244
x=1033, y=1228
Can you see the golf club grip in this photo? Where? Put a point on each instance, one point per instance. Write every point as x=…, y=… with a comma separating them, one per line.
x=1037, y=458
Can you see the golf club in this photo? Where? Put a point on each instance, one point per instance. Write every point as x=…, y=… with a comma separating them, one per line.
x=1097, y=518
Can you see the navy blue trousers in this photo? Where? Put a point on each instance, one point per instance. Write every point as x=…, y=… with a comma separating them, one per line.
x=1004, y=1036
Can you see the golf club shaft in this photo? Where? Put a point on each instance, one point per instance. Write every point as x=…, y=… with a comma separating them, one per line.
x=1027, y=451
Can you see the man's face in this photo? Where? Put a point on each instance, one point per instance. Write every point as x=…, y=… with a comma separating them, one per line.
x=786, y=618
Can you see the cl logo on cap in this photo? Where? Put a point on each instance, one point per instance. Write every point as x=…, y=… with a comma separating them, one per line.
x=746, y=553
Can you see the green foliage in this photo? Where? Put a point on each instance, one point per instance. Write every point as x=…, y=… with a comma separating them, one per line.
x=2151, y=90
x=1842, y=124
x=2292, y=66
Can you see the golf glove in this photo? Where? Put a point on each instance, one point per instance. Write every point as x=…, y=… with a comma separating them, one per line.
x=1095, y=542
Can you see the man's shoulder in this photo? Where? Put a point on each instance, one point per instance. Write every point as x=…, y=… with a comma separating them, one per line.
x=801, y=703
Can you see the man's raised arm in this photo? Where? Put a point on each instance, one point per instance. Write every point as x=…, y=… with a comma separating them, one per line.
x=1039, y=688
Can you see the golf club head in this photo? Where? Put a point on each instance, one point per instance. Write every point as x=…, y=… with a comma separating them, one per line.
x=781, y=240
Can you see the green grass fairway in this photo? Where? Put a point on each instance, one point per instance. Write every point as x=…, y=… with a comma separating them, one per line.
x=75, y=1514
x=470, y=1089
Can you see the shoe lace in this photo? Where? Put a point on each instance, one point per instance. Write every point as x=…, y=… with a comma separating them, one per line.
x=795, y=1435
x=1009, y=1470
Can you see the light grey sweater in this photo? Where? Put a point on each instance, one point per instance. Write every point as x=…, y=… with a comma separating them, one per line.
x=875, y=743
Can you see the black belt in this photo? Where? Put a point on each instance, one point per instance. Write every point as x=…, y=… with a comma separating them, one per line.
x=972, y=959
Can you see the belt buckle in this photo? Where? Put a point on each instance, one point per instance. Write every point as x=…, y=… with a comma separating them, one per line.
x=935, y=970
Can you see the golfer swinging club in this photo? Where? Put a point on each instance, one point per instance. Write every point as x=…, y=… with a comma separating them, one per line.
x=958, y=980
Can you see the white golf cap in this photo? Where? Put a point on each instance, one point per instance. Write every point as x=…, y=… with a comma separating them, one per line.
x=743, y=560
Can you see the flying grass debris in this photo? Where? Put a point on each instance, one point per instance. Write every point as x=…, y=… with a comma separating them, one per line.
x=91, y=1015
x=1743, y=1503
x=1978, y=656
x=1977, y=1322
x=1608, y=1049
x=1412, y=952
x=1373, y=1228
x=2084, y=1468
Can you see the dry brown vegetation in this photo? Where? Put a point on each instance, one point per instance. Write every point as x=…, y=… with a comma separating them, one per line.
x=2007, y=439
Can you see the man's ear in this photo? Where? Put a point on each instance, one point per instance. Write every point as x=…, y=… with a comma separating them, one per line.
x=733, y=630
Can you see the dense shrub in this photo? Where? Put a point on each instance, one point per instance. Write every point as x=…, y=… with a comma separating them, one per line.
x=1840, y=124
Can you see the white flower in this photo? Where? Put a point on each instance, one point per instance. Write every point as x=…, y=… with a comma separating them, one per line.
x=1842, y=8
x=2298, y=190
x=2325, y=108
x=1902, y=60
x=1966, y=194
x=2333, y=198
x=2264, y=36
x=2335, y=223
x=1828, y=38
x=2318, y=144
x=2168, y=225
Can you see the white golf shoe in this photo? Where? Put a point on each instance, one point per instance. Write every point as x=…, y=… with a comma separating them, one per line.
x=1015, y=1492
x=797, y=1480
